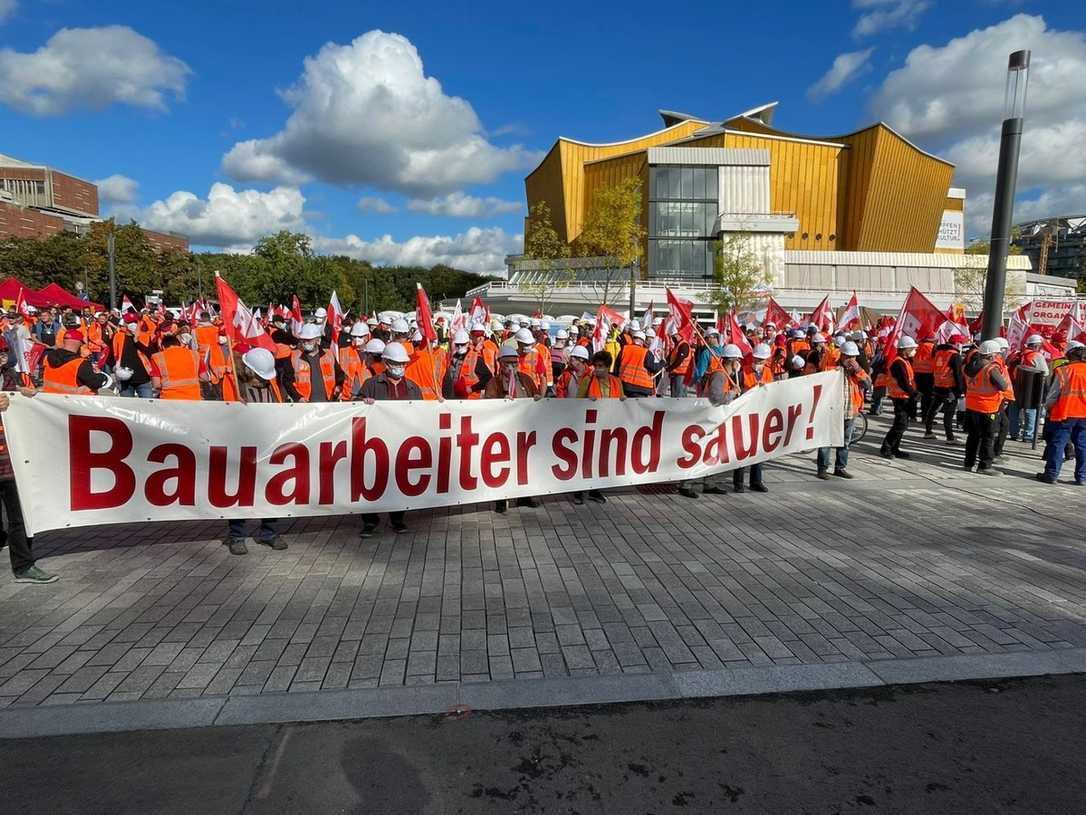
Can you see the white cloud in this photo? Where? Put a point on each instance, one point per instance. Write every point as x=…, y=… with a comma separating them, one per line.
x=90, y=68
x=477, y=250
x=7, y=8
x=461, y=205
x=372, y=203
x=845, y=68
x=227, y=217
x=366, y=113
x=117, y=189
x=950, y=98
x=880, y=15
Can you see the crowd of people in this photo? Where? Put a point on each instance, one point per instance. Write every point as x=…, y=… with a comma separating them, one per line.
x=153, y=354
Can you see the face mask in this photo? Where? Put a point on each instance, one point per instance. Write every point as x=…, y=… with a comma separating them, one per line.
x=360, y=342
x=309, y=346
x=186, y=339
x=395, y=371
x=461, y=350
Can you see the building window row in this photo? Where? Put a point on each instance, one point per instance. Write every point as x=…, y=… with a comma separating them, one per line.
x=25, y=191
x=681, y=258
x=673, y=182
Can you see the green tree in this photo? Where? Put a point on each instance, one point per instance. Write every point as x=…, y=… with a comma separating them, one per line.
x=738, y=275
x=970, y=280
x=613, y=230
x=541, y=242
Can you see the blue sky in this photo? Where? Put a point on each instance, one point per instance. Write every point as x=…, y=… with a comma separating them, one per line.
x=401, y=132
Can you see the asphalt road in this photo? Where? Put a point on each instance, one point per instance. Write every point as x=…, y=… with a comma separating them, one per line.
x=994, y=747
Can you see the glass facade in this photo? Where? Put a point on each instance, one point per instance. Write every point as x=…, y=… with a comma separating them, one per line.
x=683, y=206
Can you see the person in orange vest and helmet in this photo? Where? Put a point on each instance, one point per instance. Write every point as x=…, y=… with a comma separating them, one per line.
x=177, y=371
x=352, y=359
x=577, y=368
x=1033, y=362
x=375, y=350
x=948, y=387
x=817, y=354
x=1003, y=427
x=511, y=382
x=679, y=360
x=467, y=374
x=66, y=372
x=257, y=376
x=720, y=385
x=900, y=384
x=637, y=368
x=131, y=361
x=857, y=385
x=748, y=377
x=923, y=363
x=985, y=391
x=315, y=374
x=1065, y=402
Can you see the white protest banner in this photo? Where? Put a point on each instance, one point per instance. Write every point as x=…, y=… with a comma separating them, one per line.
x=84, y=460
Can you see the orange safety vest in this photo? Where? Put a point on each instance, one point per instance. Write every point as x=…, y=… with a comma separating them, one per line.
x=95, y=337
x=545, y=356
x=529, y=364
x=981, y=395
x=282, y=351
x=490, y=354
x=207, y=338
x=468, y=376
x=922, y=361
x=797, y=346
x=64, y=379
x=355, y=369
x=944, y=374
x=856, y=390
x=810, y=367
x=146, y=331
x=751, y=379
x=1008, y=394
x=179, y=372
x=303, y=382
x=592, y=388
x=1071, y=403
x=830, y=358
x=633, y=371
x=118, y=350
x=426, y=371
x=893, y=389
x=684, y=366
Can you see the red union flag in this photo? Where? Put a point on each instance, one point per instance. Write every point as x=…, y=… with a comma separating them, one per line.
x=680, y=316
x=423, y=316
x=822, y=317
x=335, y=315
x=776, y=315
x=737, y=337
x=238, y=322
x=918, y=319
x=851, y=317
x=606, y=319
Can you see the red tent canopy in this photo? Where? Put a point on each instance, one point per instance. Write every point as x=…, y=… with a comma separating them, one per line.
x=10, y=288
x=55, y=295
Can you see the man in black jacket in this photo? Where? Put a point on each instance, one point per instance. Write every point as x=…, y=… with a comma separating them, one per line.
x=902, y=392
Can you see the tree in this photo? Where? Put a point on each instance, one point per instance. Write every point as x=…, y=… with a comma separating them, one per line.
x=738, y=275
x=613, y=230
x=970, y=279
x=541, y=242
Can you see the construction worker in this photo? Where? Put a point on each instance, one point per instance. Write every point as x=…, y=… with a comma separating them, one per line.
x=559, y=352
x=352, y=361
x=576, y=369
x=531, y=363
x=484, y=346
x=466, y=375
x=315, y=374
x=924, y=371
x=1065, y=402
x=375, y=350
x=948, y=386
x=985, y=392
x=512, y=382
x=1031, y=365
x=758, y=372
x=597, y=382
x=679, y=361
x=426, y=367
x=1003, y=426
x=817, y=354
x=707, y=358
x=797, y=344
x=176, y=371
x=541, y=331
x=131, y=361
x=99, y=338
x=209, y=348
x=900, y=384
x=391, y=384
x=857, y=384
x=749, y=377
x=637, y=368
x=65, y=371
x=721, y=385
x=257, y=375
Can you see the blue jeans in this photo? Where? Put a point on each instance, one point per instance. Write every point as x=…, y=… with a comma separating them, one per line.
x=1075, y=431
x=268, y=530
x=1014, y=412
x=144, y=391
x=840, y=460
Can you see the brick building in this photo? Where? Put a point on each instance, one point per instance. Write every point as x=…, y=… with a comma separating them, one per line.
x=37, y=201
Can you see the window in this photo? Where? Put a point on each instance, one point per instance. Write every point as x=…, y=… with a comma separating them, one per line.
x=683, y=209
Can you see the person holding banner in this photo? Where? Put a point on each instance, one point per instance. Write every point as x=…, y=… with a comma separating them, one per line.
x=576, y=369
x=679, y=360
x=900, y=384
x=598, y=383
x=721, y=386
x=857, y=384
x=466, y=375
x=511, y=382
x=65, y=371
x=315, y=374
x=352, y=359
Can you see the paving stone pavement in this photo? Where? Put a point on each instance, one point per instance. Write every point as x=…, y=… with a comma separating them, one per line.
x=911, y=559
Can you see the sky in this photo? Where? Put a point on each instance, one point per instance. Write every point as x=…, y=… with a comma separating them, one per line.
x=401, y=133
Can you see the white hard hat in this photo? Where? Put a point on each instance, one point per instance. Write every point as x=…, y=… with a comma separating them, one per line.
x=417, y=336
x=508, y=350
x=525, y=324
x=461, y=337
x=375, y=346
x=536, y=323
x=574, y=331
x=770, y=325
x=546, y=326
x=638, y=335
x=906, y=341
x=562, y=334
x=989, y=347
x=360, y=329
x=1072, y=345
x=818, y=336
x=580, y=352
x=400, y=326
x=712, y=332
x=1003, y=343
x=31, y=310
x=372, y=322
x=839, y=340
x=731, y=351
x=122, y=373
x=798, y=362
x=394, y=352
x=525, y=336
x=320, y=313
x=310, y=332
x=478, y=327
x=762, y=351
x=261, y=362
x=1035, y=339
x=634, y=326
x=850, y=349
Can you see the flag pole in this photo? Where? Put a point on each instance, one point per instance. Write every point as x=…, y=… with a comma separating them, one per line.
x=230, y=348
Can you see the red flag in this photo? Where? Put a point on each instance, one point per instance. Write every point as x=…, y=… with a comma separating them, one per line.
x=239, y=323
x=126, y=304
x=478, y=313
x=335, y=316
x=822, y=317
x=296, y=318
x=423, y=316
x=851, y=317
x=606, y=319
x=20, y=304
x=776, y=315
x=918, y=319
x=680, y=316
x=1072, y=325
x=736, y=336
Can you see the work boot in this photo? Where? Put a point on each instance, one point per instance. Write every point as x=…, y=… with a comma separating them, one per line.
x=900, y=454
x=687, y=492
x=528, y=502
x=841, y=472
x=1046, y=478
x=501, y=506
x=738, y=488
x=237, y=546
x=578, y=498
x=929, y=435
x=397, y=526
x=759, y=487
x=823, y=475
x=715, y=489
x=988, y=471
x=276, y=543
x=368, y=529
x=32, y=574
x=952, y=441
x=886, y=453
x=597, y=496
